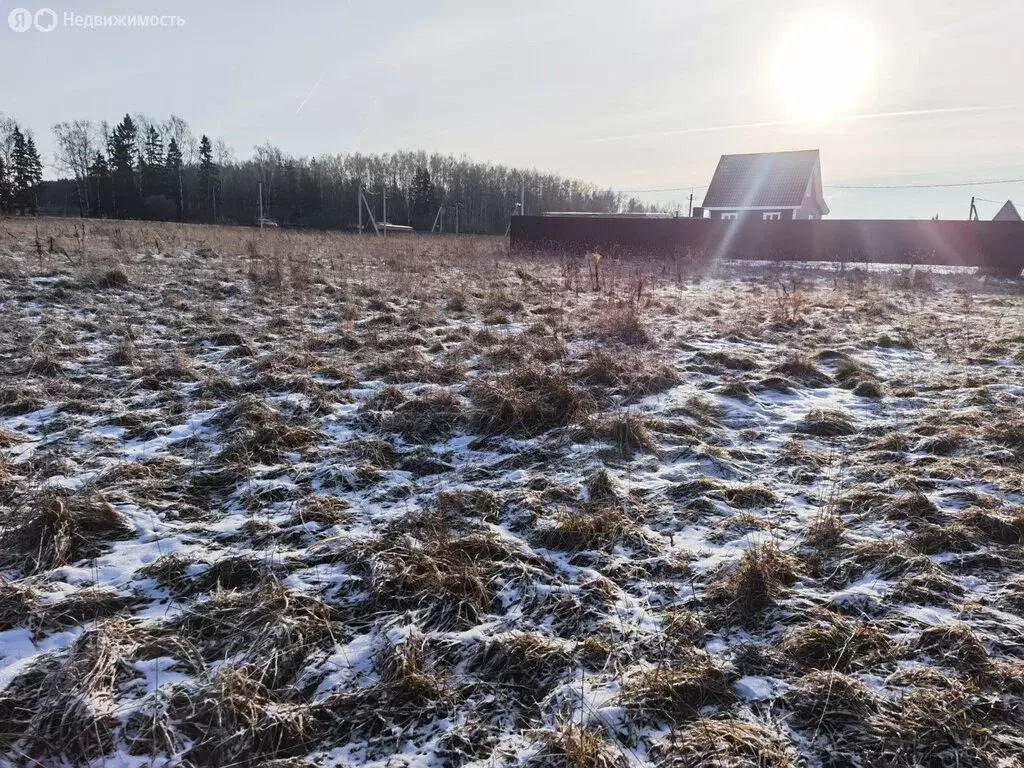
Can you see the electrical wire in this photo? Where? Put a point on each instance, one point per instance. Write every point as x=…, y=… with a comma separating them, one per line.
x=692, y=188
x=925, y=186
x=949, y=185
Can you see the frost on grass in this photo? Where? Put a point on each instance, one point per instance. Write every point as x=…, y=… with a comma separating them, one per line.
x=315, y=500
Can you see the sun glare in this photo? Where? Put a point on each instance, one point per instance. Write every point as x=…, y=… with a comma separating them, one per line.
x=822, y=65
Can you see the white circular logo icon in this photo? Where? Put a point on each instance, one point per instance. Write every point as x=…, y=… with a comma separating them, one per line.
x=45, y=20
x=20, y=20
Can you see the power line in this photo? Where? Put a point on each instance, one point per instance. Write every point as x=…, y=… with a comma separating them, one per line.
x=947, y=185
x=925, y=186
x=692, y=187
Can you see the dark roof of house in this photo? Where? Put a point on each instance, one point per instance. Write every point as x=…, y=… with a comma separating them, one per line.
x=1007, y=213
x=762, y=179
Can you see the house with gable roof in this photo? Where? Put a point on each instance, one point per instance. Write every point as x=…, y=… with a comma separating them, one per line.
x=767, y=185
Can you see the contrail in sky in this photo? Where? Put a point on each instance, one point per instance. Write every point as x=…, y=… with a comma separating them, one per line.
x=309, y=95
x=839, y=119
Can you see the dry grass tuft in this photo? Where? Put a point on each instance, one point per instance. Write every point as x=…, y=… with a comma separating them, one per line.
x=1009, y=436
x=530, y=664
x=931, y=539
x=526, y=403
x=412, y=365
x=750, y=496
x=17, y=601
x=627, y=432
x=59, y=529
x=869, y=389
x=937, y=720
x=590, y=528
x=825, y=531
x=575, y=746
x=888, y=558
x=727, y=743
x=622, y=322
x=235, y=719
x=447, y=581
x=995, y=527
x=804, y=371
x=692, y=489
x=826, y=423
x=834, y=642
x=406, y=693
x=914, y=508
x=829, y=700
x=757, y=581
x=273, y=629
x=676, y=694
x=324, y=509
x=89, y=604
x=67, y=708
x=172, y=572
x=631, y=374
x=602, y=488
x=930, y=588
x=259, y=433
x=427, y=417
x=955, y=646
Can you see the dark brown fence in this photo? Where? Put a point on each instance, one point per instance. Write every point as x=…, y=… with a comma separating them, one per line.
x=998, y=245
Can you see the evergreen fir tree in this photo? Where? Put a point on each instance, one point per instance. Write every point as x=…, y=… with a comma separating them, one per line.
x=122, y=145
x=35, y=168
x=26, y=172
x=6, y=193
x=209, y=180
x=424, y=199
x=151, y=165
x=99, y=181
x=122, y=160
x=172, y=177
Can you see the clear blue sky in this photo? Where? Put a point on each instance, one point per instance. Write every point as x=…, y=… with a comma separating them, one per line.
x=638, y=95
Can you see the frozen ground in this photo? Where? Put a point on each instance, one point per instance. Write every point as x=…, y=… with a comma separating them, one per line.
x=315, y=500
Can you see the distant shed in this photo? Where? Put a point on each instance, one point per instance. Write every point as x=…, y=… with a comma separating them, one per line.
x=1007, y=213
x=396, y=228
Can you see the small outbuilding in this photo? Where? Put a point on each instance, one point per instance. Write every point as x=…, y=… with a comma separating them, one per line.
x=1007, y=213
x=767, y=185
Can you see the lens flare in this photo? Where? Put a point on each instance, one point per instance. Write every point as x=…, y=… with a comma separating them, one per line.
x=822, y=66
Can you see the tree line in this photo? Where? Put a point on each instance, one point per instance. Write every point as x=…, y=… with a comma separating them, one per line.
x=141, y=168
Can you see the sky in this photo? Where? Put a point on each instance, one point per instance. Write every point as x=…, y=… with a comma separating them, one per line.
x=638, y=95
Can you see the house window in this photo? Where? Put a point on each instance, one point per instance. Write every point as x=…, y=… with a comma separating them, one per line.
x=729, y=215
x=771, y=216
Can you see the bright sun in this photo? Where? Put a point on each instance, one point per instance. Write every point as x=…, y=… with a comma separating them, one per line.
x=822, y=65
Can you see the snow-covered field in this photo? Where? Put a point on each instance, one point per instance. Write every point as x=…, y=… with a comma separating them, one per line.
x=283, y=499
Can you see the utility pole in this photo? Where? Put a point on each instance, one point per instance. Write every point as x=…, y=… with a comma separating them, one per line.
x=261, y=205
x=973, y=215
x=384, y=196
x=359, y=206
x=689, y=211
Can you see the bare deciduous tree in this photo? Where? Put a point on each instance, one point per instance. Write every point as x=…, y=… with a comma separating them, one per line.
x=76, y=144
